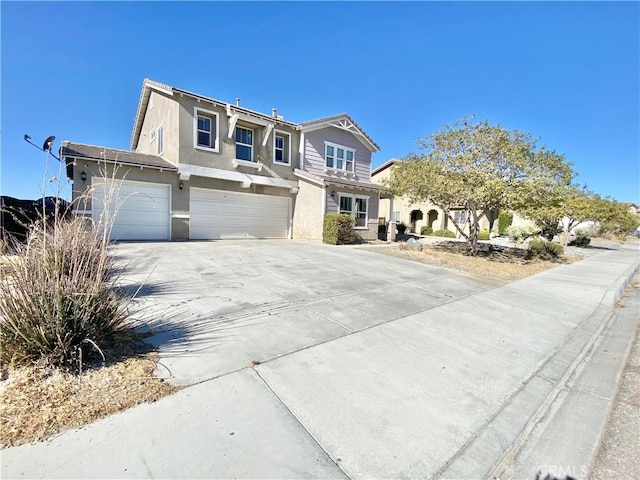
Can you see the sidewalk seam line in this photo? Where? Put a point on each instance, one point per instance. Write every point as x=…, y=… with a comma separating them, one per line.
x=315, y=440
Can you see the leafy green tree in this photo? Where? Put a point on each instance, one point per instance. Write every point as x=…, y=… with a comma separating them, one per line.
x=566, y=207
x=479, y=167
x=573, y=205
x=614, y=217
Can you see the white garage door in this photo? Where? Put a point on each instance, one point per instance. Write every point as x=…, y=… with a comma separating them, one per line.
x=139, y=210
x=217, y=214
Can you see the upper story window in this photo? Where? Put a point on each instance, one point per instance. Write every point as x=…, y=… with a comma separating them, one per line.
x=160, y=137
x=205, y=128
x=339, y=157
x=282, y=148
x=244, y=144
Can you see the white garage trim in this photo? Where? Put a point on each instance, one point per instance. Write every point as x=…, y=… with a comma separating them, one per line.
x=221, y=214
x=136, y=210
x=186, y=171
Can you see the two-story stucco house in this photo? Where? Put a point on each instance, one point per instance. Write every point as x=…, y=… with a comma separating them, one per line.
x=201, y=168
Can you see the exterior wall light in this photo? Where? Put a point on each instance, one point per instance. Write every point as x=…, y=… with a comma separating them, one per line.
x=181, y=185
x=83, y=176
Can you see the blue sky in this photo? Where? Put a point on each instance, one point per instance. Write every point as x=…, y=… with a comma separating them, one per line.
x=568, y=73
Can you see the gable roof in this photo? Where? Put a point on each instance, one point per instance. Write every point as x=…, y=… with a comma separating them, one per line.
x=341, y=120
x=112, y=155
x=148, y=85
x=344, y=122
x=385, y=165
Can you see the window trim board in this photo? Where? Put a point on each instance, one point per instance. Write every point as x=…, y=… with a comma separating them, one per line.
x=216, y=138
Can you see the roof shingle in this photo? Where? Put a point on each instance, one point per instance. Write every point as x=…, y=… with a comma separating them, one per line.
x=92, y=152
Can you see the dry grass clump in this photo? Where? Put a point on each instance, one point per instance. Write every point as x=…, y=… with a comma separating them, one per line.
x=59, y=301
x=495, y=266
x=36, y=403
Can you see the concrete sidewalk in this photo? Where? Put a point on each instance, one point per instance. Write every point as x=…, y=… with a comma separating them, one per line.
x=501, y=382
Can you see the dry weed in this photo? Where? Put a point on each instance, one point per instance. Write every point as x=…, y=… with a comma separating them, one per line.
x=495, y=267
x=36, y=403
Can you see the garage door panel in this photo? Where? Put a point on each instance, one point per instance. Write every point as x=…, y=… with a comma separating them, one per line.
x=139, y=211
x=215, y=214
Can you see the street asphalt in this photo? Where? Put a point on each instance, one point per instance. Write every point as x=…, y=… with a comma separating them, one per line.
x=313, y=361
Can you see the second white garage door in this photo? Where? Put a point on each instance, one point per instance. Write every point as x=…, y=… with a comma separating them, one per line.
x=218, y=214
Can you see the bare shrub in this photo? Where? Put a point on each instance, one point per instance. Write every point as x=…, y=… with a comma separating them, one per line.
x=58, y=297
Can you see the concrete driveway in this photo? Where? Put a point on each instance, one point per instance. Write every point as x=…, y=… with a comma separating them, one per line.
x=216, y=307
x=330, y=362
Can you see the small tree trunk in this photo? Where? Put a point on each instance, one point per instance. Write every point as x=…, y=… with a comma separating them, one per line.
x=474, y=228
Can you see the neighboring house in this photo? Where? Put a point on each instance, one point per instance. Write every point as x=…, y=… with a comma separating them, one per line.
x=201, y=168
x=633, y=208
x=418, y=215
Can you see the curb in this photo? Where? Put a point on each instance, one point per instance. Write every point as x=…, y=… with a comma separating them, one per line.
x=616, y=291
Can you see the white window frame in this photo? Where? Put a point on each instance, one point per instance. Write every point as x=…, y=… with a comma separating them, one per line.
x=340, y=197
x=354, y=208
x=395, y=216
x=335, y=157
x=457, y=216
x=215, y=119
x=287, y=149
x=253, y=140
x=160, y=135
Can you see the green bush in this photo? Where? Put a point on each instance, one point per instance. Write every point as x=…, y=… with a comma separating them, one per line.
x=58, y=299
x=483, y=234
x=444, y=233
x=544, y=250
x=580, y=241
x=426, y=230
x=338, y=229
x=505, y=219
x=583, y=236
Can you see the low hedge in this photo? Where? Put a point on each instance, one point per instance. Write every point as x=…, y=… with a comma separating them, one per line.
x=444, y=233
x=426, y=230
x=338, y=229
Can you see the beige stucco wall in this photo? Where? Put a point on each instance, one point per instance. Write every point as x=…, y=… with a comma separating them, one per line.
x=307, y=212
x=163, y=111
x=223, y=158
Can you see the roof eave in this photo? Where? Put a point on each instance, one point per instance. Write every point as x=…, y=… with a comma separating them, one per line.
x=328, y=122
x=169, y=168
x=385, y=165
x=143, y=103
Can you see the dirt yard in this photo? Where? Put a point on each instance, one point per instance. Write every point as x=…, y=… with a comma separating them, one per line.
x=36, y=403
x=497, y=266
